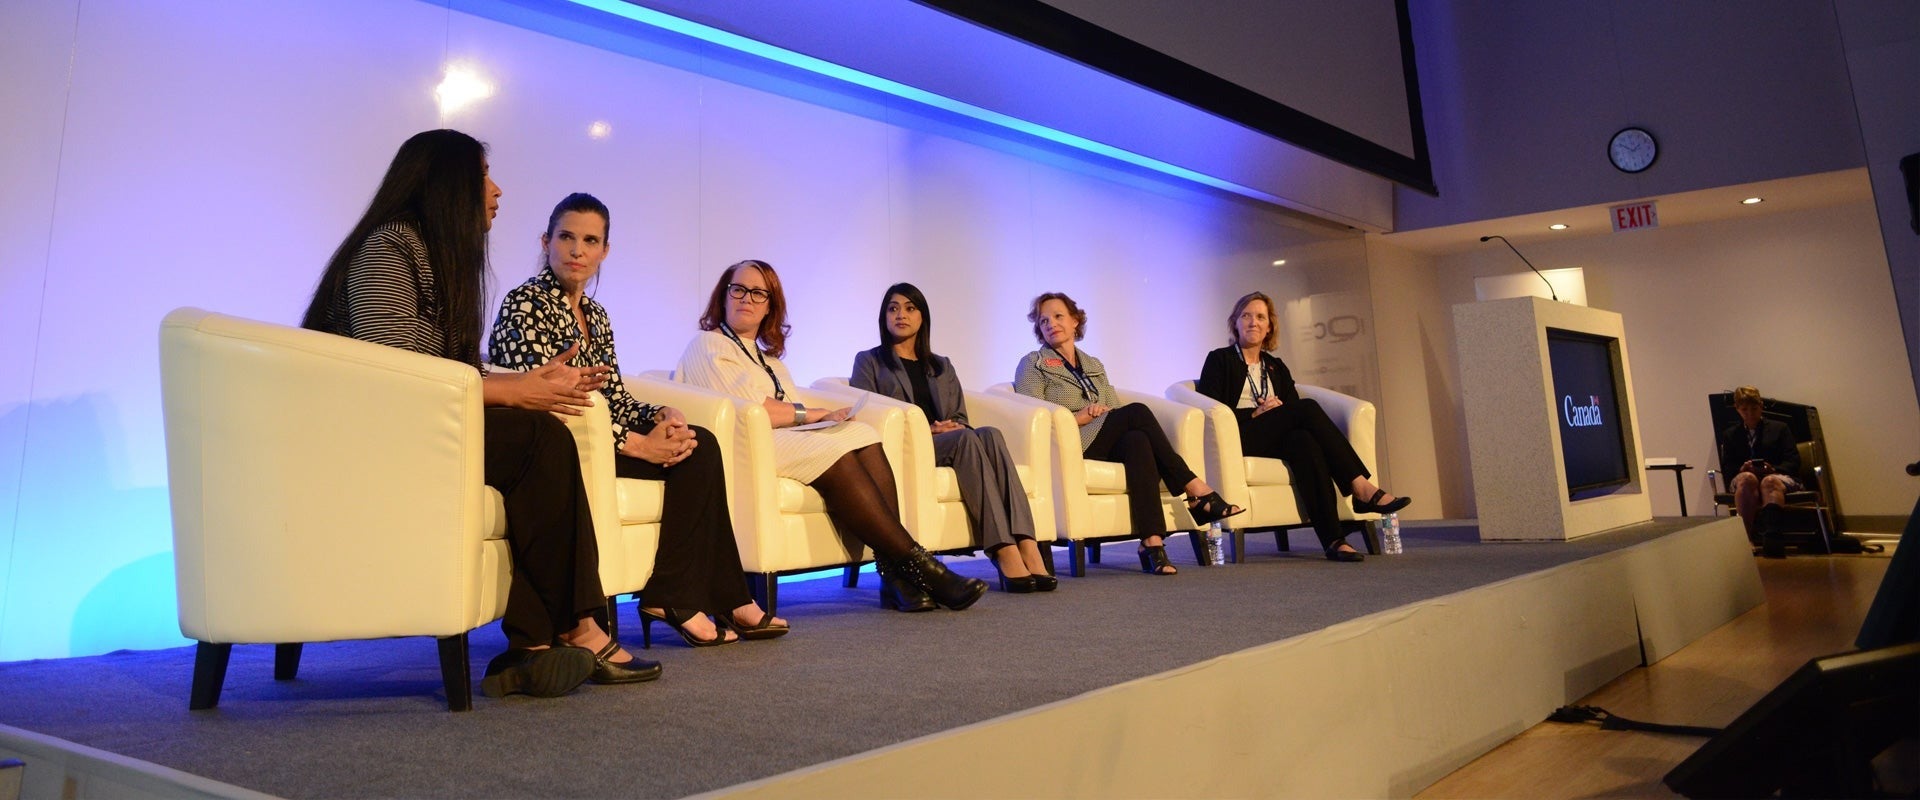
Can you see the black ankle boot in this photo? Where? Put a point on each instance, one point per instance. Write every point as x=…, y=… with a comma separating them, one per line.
x=898, y=593
x=924, y=571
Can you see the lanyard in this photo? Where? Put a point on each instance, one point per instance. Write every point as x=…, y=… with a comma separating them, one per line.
x=779, y=392
x=1088, y=389
x=1263, y=389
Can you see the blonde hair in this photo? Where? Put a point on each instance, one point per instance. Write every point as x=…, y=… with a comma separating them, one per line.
x=1746, y=395
x=1272, y=339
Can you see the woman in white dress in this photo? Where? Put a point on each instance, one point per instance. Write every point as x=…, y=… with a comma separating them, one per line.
x=744, y=333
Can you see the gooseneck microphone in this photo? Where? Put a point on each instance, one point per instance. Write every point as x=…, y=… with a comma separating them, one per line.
x=1536, y=270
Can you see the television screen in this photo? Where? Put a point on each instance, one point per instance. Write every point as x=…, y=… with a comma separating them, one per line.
x=1593, y=445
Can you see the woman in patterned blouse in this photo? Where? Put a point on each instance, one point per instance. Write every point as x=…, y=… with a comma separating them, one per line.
x=412, y=275
x=1061, y=374
x=697, y=569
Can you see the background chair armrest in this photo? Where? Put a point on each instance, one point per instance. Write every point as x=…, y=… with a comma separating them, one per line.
x=1354, y=416
x=911, y=456
x=1183, y=424
x=1226, y=465
x=592, y=433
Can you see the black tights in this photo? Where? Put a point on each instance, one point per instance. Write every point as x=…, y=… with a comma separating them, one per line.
x=861, y=500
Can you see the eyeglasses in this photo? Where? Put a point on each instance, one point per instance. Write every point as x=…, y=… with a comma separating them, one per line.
x=754, y=296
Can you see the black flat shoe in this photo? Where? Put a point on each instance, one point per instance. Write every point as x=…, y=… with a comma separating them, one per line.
x=550, y=672
x=1153, y=560
x=677, y=619
x=1371, y=506
x=634, y=670
x=1344, y=556
x=1210, y=508
x=766, y=628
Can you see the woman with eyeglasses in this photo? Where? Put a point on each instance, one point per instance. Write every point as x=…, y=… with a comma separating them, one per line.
x=905, y=368
x=697, y=565
x=1062, y=374
x=744, y=334
x=1276, y=422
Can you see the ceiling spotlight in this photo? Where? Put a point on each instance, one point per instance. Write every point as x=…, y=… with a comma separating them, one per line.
x=461, y=87
x=1280, y=263
x=1752, y=201
x=600, y=130
x=1558, y=226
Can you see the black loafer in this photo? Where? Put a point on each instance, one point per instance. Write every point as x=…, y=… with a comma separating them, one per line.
x=1373, y=506
x=1345, y=556
x=633, y=670
x=551, y=672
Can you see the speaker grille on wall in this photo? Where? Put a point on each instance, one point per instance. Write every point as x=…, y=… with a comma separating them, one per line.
x=1910, y=170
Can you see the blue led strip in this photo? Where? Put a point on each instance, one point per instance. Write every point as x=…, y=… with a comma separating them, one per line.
x=732, y=41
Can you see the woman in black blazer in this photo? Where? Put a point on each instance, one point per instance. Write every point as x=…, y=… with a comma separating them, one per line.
x=905, y=368
x=1276, y=422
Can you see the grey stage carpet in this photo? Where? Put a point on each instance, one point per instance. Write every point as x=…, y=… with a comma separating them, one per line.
x=367, y=719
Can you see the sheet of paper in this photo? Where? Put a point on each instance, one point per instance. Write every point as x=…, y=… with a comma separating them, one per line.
x=824, y=424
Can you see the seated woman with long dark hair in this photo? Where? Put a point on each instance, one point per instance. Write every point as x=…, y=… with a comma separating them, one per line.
x=1276, y=422
x=738, y=354
x=412, y=275
x=697, y=567
x=905, y=368
x=1062, y=374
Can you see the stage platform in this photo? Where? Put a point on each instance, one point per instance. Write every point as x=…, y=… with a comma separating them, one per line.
x=1285, y=676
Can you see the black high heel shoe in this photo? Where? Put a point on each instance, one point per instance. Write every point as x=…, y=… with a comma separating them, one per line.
x=1154, y=559
x=1021, y=585
x=897, y=593
x=633, y=670
x=1043, y=582
x=764, y=629
x=1372, y=504
x=1210, y=508
x=920, y=569
x=677, y=619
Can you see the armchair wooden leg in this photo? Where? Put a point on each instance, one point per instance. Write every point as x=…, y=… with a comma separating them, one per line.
x=286, y=661
x=1046, y=556
x=455, y=673
x=1370, y=530
x=209, y=674
x=1199, y=541
x=765, y=588
x=613, y=615
x=1077, y=559
x=1093, y=552
x=851, y=576
x=1238, y=539
x=1283, y=539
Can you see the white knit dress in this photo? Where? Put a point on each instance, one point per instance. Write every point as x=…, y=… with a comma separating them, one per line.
x=713, y=361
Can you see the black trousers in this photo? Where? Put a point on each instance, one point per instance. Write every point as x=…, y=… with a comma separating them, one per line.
x=697, y=567
x=1133, y=437
x=1316, y=452
x=531, y=460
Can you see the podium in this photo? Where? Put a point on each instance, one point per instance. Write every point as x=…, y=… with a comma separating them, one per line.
x=1514, y=422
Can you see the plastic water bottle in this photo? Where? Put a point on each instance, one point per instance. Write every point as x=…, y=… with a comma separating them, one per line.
x=1216, y=546
x=1390, y=534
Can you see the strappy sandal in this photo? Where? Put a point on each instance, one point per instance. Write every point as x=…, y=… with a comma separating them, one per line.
x=677, y=619
x=764, y=629
x=1372, y=505
x=1153, y=560
x=1210, y=508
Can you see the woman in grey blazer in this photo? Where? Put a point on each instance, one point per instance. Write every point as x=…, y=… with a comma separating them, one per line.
x=905, y=368
x=1060, y=373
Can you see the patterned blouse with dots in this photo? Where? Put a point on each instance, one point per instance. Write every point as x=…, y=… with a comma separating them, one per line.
x=536, y=323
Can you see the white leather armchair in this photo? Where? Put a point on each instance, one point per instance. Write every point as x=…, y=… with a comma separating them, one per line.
x=781, y=524
x=930, y=507
x=1264, y=486
x=304, y=511
x=1090, y=496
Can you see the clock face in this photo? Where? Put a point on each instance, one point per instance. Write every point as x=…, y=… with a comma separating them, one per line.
x=1633, y=150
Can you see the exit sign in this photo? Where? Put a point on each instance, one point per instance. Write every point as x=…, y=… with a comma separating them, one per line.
x=1634, y=215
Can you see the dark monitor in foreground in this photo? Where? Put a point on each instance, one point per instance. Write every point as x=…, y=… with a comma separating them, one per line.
x=1816, y=734
x=1593, y=424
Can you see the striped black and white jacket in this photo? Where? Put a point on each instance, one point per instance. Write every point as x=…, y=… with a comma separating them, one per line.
x=390, y=297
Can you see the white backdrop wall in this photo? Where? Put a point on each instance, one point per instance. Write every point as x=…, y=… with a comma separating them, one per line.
x=211, y=152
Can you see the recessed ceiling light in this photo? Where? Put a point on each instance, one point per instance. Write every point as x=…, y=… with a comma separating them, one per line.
x=1558, y=226
x=1752, y=201
x=1280, y=263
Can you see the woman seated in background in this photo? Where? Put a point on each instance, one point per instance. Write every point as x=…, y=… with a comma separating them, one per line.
x=1275, y=422
x=904, y=367
x=1059, y=373
x=412, y=275
x=738, y=354
x=697, y=569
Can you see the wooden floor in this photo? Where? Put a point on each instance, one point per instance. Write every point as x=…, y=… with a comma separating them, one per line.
x=1814, y=608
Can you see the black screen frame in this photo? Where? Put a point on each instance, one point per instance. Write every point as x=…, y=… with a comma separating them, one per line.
x=1621, y=405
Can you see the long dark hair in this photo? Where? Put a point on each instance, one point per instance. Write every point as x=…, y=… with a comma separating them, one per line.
x=436, y=183
x=922, y=341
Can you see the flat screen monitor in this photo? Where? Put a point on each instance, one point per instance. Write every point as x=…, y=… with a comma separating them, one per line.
x=1592, y=418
